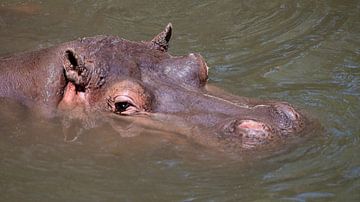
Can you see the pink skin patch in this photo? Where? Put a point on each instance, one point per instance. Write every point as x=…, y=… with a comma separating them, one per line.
x=255, y=133
x=250, y=124
x=69, y=93
x=71, y=97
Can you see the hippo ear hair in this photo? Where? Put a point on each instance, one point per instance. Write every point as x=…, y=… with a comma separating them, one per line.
x=74, y=68
x=161, y=41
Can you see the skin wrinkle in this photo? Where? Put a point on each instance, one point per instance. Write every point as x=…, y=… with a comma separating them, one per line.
x=50, y=80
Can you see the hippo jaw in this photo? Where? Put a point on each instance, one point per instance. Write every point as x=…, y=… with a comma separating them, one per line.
x=131, y=80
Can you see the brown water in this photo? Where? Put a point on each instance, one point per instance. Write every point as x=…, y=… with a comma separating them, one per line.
x=303, y=52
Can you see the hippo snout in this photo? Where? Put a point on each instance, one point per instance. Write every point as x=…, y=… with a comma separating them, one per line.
x=251, y=131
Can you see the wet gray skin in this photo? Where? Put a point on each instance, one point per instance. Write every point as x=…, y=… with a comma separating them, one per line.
x=142, y=82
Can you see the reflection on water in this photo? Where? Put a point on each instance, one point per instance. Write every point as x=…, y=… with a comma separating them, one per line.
x=303, y=52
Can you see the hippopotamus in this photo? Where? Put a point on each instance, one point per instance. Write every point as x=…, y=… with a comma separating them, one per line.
x=113, y=77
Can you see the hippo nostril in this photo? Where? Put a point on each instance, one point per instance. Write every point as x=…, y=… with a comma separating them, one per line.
x=289, y=112
x=289, y=119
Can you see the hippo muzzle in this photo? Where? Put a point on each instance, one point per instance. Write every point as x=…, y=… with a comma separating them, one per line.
x=242, y=121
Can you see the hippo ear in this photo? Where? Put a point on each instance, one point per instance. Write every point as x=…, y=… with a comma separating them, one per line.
x=74, y=68
x=161, y=41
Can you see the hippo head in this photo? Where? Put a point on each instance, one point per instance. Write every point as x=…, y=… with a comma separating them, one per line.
x=141, y=81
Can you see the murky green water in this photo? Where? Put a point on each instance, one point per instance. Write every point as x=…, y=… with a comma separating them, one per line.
x=303, y=52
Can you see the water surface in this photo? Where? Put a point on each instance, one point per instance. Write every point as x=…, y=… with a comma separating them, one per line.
x=303, y=52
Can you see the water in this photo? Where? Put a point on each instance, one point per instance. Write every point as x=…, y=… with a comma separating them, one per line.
x=303, y=52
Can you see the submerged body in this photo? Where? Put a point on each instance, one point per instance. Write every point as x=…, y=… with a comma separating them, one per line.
x=141, y=81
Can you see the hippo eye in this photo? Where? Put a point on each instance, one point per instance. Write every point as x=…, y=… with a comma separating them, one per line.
x=122, y=106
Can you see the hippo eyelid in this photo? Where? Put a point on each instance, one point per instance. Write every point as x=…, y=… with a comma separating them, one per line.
x=124, y=98
x=125, y=105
